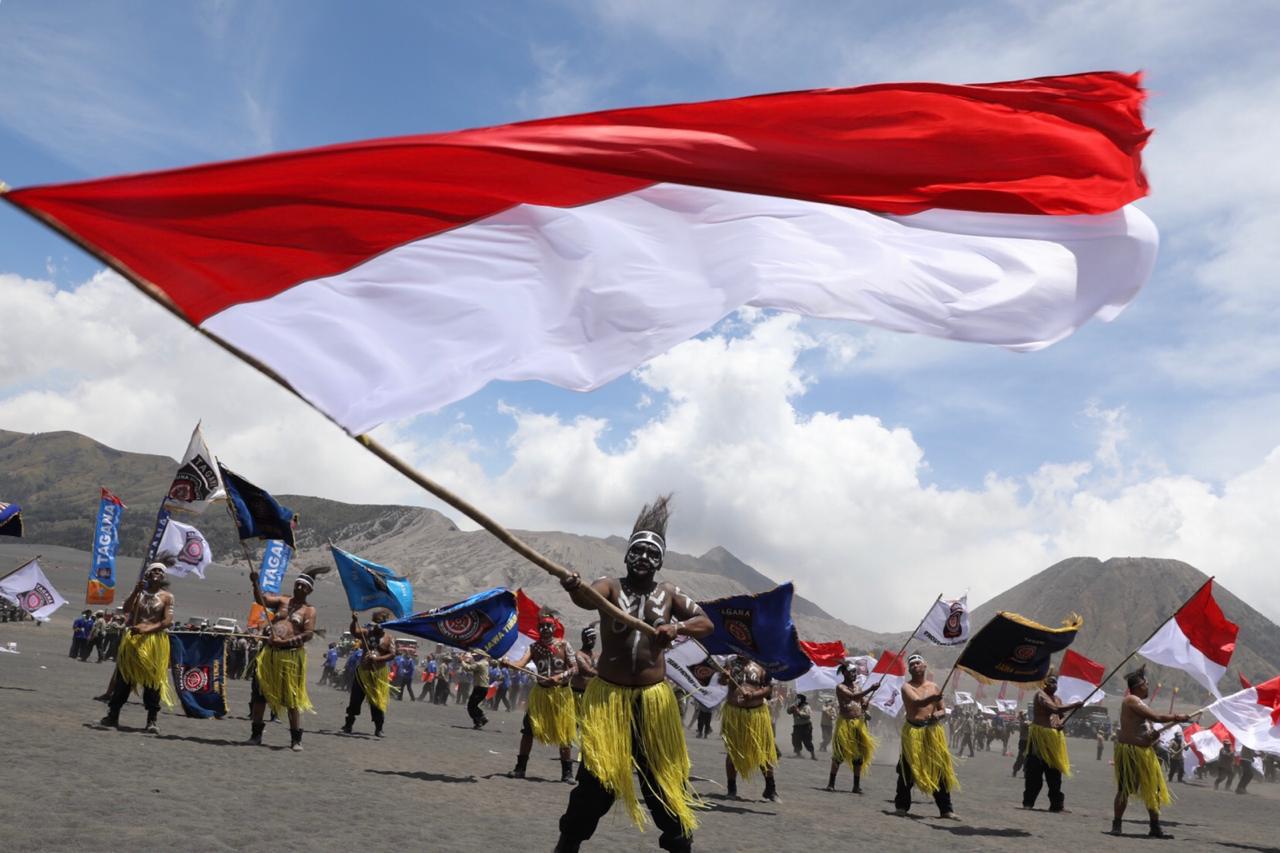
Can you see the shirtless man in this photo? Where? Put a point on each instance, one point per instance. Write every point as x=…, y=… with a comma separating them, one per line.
x=586, y=660
x=630, y=715
x=281, y=667
x=1137, y=769
x=143, y=660
x=747, y=727
x=550, y=716
x=371, y=680
x=925, y=761
x=853, y=742
x=1047, y=759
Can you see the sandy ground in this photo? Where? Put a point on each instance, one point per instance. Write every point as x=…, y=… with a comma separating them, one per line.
x=435, y=784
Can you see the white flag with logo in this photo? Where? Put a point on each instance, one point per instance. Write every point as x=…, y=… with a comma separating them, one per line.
x=947, y=623
x=198, y=482
x=963, y=698
x=690, y=669
x=28, y=588
x=187, y=546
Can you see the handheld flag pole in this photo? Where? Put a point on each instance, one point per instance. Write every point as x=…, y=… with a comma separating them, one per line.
x=1190, y=717
x=21, y=567
x=1129, y=656
x=912, y=635
x=506, y=537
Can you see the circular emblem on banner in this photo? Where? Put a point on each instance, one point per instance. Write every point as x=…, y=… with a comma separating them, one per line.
x=1024, y=652
x=195, y=680
x=32, y=600
x=463, y=628
x=739, y=632
x=183, y=490
x=703, y=673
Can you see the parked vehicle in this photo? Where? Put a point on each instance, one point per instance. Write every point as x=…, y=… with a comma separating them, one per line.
x=225, y=625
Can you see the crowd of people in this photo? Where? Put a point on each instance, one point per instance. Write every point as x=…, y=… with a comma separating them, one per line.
x=97, y=631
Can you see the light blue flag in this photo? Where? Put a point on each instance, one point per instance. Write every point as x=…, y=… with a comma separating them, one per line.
x=370, y=585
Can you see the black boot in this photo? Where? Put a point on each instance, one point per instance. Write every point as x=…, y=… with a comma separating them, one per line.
x=857, y=783
x=831, y=782
x=112, y=719
x=565, y=845
x=770, y=790
x=732, y=790
x=566, y=771
x=295, y=740
x=522, y=761
x=151, y=727
x=255, y=733
x=1155, y=831
x=346, y=728
x=1117, y=827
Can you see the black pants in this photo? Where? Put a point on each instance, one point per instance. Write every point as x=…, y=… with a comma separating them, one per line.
x=120, y=695
x=902, y=797
x=357, y=699
x=704, y=722
x=802, y=738
x=1037, y=774
x=1022, y=756
x=966, y=740
x=590, y=800
x=1246, y=776
x=1176, y=767
x=1226, y=772
x=504, y=696
x=474, y=701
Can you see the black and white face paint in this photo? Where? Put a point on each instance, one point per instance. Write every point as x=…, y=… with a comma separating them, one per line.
x=644, y=553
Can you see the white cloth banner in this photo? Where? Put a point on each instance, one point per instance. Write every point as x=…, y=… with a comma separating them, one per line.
x=947, y=623
x=817, y=678
x=1072, y=690
x=1171, y=647
x=687, y=669
x=187, y=546
x=198, y=482
x=28, y=588
x=963, y=698
x=888, y=698
x=1250, y=715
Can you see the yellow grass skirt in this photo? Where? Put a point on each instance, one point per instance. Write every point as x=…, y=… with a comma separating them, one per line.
x=551, y=713
x=748, y=736
x=609, y=725
x=1138, y=772
x=852, y=743
x=282, y=678
x=924, y=749
x=1051, y=746
x=377, y=689
x=143, y=661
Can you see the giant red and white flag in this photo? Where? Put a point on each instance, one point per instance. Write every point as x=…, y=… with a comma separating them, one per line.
x=384, y=278
x=1252, y=716
x=1079, y=679
x=1198, y=640
x=891, y=672
x=826, y=658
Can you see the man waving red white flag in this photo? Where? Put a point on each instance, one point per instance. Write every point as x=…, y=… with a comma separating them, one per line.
x=1199, y=640
x=385, y=278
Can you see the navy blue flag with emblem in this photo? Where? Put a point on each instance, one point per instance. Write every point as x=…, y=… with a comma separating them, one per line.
x=368, y=584
x=1013, y=648
x=10, y=519
x=257, y=513
x=760, y=627
x=487, y=621
x=199, y=664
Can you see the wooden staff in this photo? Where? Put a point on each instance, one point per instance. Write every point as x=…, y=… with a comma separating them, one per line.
x=506, y=537
x=1192, y=716
x=1131, y=654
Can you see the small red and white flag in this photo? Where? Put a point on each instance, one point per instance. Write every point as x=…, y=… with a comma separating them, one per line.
x=1198, y=640
x=1079, y=679
x=826, y=658
x=891, y=671
x=1252, y=716
x=384, y=278
x=527, y=611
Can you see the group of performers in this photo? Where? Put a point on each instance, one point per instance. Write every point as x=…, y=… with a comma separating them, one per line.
x=619, y=707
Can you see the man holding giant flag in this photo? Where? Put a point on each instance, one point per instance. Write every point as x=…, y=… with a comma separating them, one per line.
x=142, y=664
x=1137, y=768
x=368, y=584
x=924, y=761
x=630, y=718
x=852, y=742
x=106, y=542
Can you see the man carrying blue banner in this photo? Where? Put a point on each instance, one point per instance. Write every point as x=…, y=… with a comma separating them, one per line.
x=372, y=681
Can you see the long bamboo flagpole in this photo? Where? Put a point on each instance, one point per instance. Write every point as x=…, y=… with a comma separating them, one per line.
x=1129, y=656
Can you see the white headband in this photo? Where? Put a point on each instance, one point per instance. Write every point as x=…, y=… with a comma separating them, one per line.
x=915, y=658
x=307, y=580
x=647, y=536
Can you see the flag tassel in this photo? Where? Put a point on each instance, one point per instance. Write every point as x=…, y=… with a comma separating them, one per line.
x=506, y=537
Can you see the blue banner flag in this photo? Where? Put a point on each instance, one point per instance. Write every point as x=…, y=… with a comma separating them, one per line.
x=199, y=664
x=106, y=541
x=487, y=621
x=258, y=515
x=370, y=585
x=275, y=562
x=10, y=519
x=760, y=627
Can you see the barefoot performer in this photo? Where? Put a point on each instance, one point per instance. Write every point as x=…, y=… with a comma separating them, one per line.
x=371, y=681
x=747, y=727
x=281, y=672
x=925, y=761
x=142, y=662
x=550, y=716
x=1047, y=759
x=1137, y=768
x=852, y=742
x=630, y=718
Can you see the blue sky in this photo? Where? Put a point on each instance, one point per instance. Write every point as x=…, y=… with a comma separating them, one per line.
x=1149, y=435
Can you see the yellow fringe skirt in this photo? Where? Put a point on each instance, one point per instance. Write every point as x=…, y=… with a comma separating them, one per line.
x=612, y=717
x=377, y=689
x=748, y=737
x=143, y=661
x=282, y=678
x=1051, y=746
x=852, y=743
x=1138, y=772
x=924, y=749
x=551, y=714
